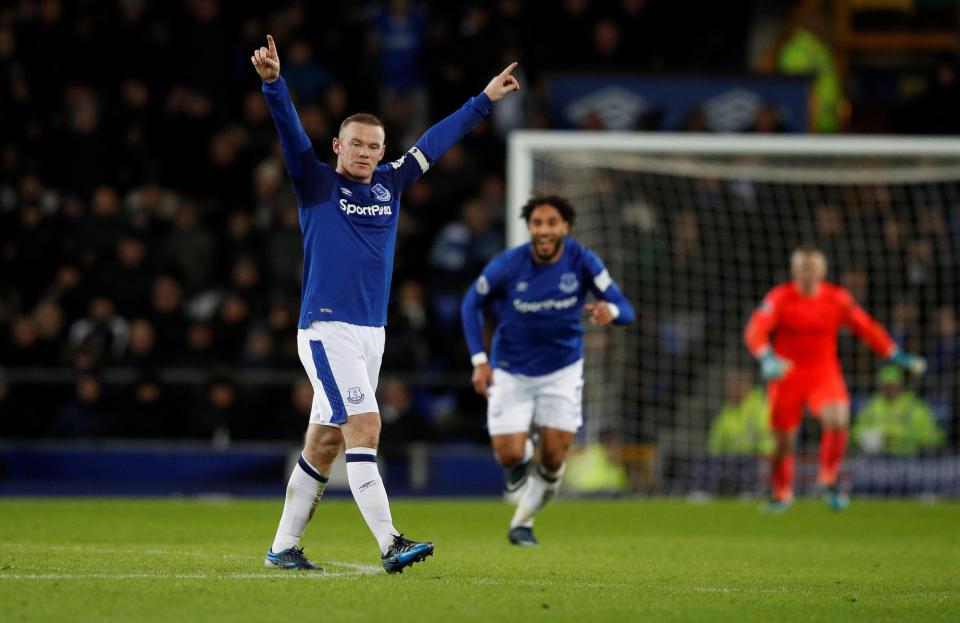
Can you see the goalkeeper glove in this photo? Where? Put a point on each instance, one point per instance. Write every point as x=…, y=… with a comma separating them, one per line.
x=772, y=366
x=914, y=363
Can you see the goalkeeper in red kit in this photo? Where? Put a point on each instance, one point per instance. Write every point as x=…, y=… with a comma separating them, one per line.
x=803, y=370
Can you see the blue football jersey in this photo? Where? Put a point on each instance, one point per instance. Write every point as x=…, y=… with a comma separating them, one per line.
x=539, y=307
x=350, y=228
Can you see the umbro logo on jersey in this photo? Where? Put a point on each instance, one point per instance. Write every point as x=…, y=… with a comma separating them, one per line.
x=380, y=193
x=346, y=191
x=522, y=286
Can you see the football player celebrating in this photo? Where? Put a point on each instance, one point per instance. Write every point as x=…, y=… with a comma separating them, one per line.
x=803, y=370
x=348, y=215
x=534, y=374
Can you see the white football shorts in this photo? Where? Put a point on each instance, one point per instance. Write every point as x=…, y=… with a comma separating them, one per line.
x=553, y=400
x=343, y=363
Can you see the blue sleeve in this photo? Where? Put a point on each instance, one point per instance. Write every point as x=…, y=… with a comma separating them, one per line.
x=487, y=285
x=604, y=287
x=305, y=170
x=439, y=139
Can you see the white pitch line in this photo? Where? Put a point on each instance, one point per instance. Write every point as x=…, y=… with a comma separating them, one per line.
x=364, y=569
x=351, y=570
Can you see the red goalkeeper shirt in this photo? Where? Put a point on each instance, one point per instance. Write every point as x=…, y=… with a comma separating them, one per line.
x=805, y=328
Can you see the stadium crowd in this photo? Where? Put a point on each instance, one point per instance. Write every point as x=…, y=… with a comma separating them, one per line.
x=147, y=225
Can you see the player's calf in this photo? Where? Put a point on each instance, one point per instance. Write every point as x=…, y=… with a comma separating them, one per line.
x=515, y=475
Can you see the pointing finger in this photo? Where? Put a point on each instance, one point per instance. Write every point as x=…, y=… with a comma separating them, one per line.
x=506, y=72
x=270, y=42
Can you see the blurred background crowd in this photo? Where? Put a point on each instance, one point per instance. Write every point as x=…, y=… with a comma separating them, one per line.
x=149, y=240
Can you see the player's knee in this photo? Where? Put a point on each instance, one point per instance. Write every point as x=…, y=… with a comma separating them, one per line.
x=785, y=444
x=362, y=431
x=508, y=456
x=321, y=445
x=836, y=417
x=553, y=458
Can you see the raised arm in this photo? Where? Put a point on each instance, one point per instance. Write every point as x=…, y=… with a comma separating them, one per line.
x=436, y=141
x=302, y=163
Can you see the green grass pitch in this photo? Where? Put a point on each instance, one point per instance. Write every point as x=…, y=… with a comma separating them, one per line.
x=650, y=560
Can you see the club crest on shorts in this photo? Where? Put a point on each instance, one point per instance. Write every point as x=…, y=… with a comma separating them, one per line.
x=381, y=193
x=354, y=395
x=569, y=283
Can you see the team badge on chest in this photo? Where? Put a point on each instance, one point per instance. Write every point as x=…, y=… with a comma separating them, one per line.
x=381, y=193
x=569, y=283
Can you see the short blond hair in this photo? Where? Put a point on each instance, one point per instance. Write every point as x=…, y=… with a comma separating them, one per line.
x=364, y=118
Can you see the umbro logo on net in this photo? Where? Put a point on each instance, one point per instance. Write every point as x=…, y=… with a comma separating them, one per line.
x=374, y=210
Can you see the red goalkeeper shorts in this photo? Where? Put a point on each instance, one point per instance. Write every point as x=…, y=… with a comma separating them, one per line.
x=811, y=388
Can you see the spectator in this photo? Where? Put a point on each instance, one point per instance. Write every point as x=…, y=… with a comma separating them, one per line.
x=258, y=348
x=189, y=250
x=141, y=351
x=944, y=346
x=895, y=421
x=742, y=428
x=307, y=78
x=127, y=279
x=231, y=326
x=200, y=345
x=102, y=333
x=167, y=314
x=86, y=415
x=401, y=30
x=49, y=323
x=464, y=247
x=148, y=413
x=220, y=415
x=290, y=420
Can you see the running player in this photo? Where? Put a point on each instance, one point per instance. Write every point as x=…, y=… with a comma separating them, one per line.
x=803, y=370
x=534, y=374
x=348, y=216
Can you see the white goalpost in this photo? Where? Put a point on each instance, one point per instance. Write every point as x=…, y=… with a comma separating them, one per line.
x=696, y=228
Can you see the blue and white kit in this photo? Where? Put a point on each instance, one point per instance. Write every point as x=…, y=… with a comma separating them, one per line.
x=349, y=235
x=537, y=350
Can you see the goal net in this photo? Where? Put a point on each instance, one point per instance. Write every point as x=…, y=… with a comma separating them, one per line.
x=697, y=229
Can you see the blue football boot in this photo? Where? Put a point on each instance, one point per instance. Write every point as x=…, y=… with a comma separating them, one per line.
x=404, y=553
x=522, y=536
x=291, y=558
x=776, y=507
x=835, y=499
